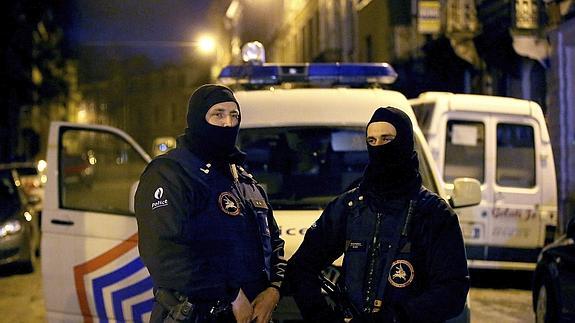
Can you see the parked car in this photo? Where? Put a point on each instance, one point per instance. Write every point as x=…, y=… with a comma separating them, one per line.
x=79, y=169
x=19, y=224
x=32, y=179
x=554, y=280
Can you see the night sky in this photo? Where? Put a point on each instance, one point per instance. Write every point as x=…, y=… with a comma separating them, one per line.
x=97, y=23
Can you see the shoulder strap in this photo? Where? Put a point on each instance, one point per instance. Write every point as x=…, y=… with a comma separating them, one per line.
x=427, y=200
x=245, y=175
x=191, y=164
x=194, y=168
x=349, y=198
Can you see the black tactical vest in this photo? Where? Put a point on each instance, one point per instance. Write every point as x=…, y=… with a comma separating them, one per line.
x=370, y=235
x=230, y=242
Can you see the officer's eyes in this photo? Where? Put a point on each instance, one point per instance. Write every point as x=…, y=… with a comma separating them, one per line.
x=222, y=115
x=372, y=141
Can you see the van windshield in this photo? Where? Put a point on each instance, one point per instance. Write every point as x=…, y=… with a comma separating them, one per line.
x=306, y=167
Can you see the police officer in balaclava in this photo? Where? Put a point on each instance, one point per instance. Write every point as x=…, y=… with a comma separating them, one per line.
x=206, y=231
x=213, y=124
x=393, y=169
x=404, y=259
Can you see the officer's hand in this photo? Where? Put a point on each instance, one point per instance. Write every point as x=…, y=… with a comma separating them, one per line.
x=242, y=308
x=264, y=304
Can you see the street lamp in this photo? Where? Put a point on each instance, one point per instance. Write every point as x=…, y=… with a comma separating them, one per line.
x=206, y=44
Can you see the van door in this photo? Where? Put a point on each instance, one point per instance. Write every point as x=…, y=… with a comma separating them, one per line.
x=463, y=154
x=516, y=188
x=90, y=263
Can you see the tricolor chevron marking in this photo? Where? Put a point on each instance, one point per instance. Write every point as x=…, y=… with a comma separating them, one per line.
x=115, y=286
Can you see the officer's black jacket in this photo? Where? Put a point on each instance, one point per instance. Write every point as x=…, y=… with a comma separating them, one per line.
x=187, y=241
x=436, y=252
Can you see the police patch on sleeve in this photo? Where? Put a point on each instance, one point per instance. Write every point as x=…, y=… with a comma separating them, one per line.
x=229, y=204
x=160, y=201
x=401, y=273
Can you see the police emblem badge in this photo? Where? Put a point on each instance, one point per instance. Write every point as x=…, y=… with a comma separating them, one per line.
x=229, y=204
x=401, y=273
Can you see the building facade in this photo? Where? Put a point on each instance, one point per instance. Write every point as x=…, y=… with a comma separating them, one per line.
x=292, y=31
x=147, y=105
x=515, y=48
x=561, y=100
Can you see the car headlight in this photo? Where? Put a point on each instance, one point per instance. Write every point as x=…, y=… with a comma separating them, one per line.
x=10, y=227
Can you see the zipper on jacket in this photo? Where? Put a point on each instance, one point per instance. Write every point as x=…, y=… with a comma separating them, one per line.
x=374, y=251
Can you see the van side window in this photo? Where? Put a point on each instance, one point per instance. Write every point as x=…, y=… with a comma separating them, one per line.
x=423, y=114
x=464, y=150
x=97, y=170
x=515, y=155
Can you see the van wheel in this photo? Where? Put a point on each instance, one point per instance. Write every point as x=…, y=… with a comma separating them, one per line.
x=545, y=311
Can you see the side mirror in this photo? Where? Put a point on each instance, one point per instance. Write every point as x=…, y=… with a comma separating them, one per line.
x=571, y=228
x=466, y=192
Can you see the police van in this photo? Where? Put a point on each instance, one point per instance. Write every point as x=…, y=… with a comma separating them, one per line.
x=503, y=143
x=305, y=146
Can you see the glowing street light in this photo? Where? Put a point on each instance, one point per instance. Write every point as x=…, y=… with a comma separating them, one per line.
x=41, y=165
x=207, y=44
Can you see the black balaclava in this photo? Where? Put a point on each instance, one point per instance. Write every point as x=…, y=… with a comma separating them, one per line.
x=393, y=169
x=209, y=142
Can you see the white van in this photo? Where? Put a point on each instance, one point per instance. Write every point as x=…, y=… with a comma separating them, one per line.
x=503, y=143
x=304, y=145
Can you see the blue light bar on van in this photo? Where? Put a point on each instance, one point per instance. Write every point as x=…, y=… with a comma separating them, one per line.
x=314, y=73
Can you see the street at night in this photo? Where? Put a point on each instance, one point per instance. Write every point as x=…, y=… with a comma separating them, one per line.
x=198, y=160
x=498, y=297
